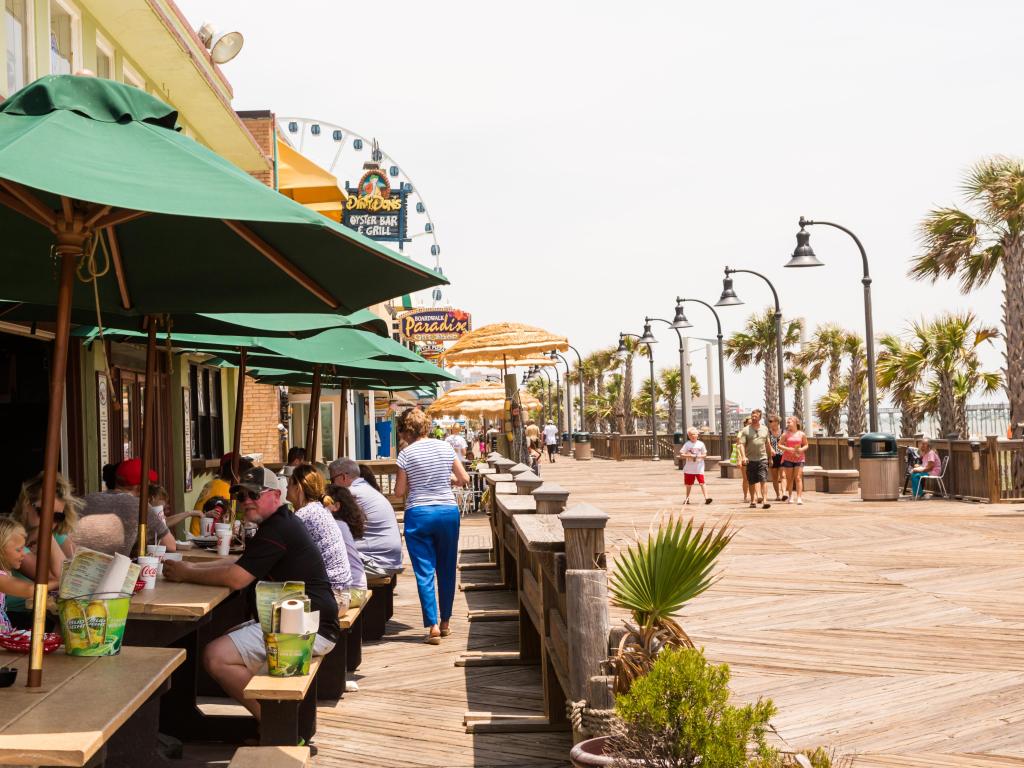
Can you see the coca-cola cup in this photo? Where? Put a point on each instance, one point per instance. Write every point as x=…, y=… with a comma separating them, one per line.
x=148, y=575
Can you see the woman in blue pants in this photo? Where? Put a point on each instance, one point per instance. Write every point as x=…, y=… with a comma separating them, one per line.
x=425, y=470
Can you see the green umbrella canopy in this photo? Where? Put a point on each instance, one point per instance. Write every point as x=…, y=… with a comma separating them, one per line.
x=337, y=346
x=81, y=156
x=298, y=326
x=305, y=379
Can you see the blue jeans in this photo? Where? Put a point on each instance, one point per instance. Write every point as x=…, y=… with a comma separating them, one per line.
x=432, y=537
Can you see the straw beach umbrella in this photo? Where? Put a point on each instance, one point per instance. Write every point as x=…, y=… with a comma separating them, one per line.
x=105, y=205
x=504, y=343
x=483, y=398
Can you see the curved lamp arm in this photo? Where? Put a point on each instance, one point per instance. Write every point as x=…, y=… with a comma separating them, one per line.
x=863, y=254
x=718, y=320
x=669, y=324
x=730, y=271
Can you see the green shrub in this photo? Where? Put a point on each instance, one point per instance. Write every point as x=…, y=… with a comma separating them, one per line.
x=678, y=716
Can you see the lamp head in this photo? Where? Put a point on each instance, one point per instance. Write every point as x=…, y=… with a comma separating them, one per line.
x=803, y=256
x=648, y=337
x=622, y=350
x=679, y=321
x=728, y=297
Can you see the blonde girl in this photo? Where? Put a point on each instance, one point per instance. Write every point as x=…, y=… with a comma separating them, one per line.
x=12, y=553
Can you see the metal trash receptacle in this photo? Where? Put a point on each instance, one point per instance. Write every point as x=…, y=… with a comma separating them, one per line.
x=566, y=449
x=880, y=470
x=582, y=450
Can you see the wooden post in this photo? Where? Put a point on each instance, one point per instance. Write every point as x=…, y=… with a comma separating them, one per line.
x=551, y=498
x=148, y=416
x=502, y=465
x=236, y=442
x=313, y=416
x=993, y=481
x=586, y=603
x=616, y=447
x=526, y=483
x=518, y=469
x=584, y=526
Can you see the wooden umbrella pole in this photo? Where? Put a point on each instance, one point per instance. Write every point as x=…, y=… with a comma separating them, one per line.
x=343, y=437
x=313, y=421
x=68, y=253
x=236, y=442
x=148, y=415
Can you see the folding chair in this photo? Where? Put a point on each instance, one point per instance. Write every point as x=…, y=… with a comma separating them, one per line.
x=939, y=478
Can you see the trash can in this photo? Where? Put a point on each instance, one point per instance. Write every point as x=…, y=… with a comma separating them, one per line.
x=566, y=449
x=581, y=446
x=880, y=470
x=677, y=439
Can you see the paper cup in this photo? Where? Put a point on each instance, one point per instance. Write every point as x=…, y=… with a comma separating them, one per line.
x=224, y=543
x=148, y=575
x=206, y=526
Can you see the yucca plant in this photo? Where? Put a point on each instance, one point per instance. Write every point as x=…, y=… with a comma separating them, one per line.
x=653, y=580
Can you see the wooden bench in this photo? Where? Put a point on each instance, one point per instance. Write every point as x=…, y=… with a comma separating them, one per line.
x=270, y=757
x=840, y=481
x=814, y=478
x=287, y=706
x=730, y=470
x=378, y=611
x=347, y=654
x=88, y=710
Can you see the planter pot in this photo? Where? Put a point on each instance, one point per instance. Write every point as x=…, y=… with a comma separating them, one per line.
x=590, y=753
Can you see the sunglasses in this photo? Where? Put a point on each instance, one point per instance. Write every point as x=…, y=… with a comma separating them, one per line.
x=58, y=517
x=247, y=495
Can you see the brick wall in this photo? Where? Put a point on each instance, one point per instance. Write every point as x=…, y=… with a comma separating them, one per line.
x=261, y=125
x=260, y=420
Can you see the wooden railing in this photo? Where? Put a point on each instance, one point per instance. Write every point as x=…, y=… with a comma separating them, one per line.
x=998, y=478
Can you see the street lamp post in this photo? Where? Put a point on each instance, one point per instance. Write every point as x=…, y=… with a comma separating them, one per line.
x=729, y=299
x=558, y=399
x=579, y=361
x=680, y=321
x=548, y=406
x=568, y=391
x=648, y=339
x=804, y=256
x=684, y=371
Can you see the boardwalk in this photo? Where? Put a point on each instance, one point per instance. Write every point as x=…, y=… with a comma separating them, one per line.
x=894, y=632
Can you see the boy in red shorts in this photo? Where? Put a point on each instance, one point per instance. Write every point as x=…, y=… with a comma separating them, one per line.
x=694, y=451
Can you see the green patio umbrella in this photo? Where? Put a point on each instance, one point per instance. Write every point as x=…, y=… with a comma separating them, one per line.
x=104, y=205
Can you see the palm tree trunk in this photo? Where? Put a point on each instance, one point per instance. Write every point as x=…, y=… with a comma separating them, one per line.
x=960, y=417
x=910, y=420
x=947, y=407
x=627, y=397
x=1013, y=328
x=855, y=417
x=671, y=414
x=831, y=423
x=771, y=384
x=798, y=404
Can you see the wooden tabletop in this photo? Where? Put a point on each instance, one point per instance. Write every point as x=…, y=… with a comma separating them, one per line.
x=540, y=533
x=176, y=601
x=81, y=703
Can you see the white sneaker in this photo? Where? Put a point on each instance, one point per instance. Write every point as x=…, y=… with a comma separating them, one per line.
x=351, y=686
x=799, y=501
x=791, y=500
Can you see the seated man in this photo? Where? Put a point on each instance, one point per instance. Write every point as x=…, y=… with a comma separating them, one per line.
x=110, y=519
x=381, y=544
x=281, y=550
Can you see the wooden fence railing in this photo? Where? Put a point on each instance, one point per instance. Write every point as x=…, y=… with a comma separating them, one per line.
x=998, y=478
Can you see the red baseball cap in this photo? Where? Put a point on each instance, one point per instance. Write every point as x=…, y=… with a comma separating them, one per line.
x=129, y=472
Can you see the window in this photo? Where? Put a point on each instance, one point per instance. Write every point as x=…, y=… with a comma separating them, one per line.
x=65, y=38
x=325, y=429
x=207, y=422
x=104, y=59
x=18, y=37
x=131, y=77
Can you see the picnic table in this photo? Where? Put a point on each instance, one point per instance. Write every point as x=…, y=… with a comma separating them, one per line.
x=189, y=616
x=85, y=707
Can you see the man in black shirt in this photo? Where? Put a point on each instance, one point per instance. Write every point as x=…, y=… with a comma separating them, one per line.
x=281, y=550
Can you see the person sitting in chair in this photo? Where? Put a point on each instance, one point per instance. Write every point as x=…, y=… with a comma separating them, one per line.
x=930, y=465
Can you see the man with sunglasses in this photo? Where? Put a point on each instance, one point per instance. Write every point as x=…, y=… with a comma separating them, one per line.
x=281, y=550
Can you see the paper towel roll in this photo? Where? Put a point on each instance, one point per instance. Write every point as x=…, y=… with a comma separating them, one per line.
x=113, y=579
x=293, y=617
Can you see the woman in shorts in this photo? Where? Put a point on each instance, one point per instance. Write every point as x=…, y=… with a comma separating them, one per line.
x=775, y=460
x=794, y=449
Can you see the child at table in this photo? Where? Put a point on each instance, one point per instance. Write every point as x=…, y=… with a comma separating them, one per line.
x=12, y=552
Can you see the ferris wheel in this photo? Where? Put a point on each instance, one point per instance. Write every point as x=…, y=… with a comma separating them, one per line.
x=346, y=154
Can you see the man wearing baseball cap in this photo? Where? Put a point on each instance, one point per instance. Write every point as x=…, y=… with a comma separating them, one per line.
x=110, y=520
x=281, y=550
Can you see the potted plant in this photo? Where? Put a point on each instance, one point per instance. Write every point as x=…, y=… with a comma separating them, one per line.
x=678, y=715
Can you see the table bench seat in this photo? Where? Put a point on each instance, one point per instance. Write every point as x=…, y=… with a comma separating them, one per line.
x=270, y=757
x=347, y=654
x=287, y=706
x=381, y=608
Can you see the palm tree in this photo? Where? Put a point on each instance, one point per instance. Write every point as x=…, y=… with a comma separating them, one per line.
x=798, y=379
x=633, y=348
x=668, y=383
x=642, y=403
x=950, y=344
x=826, y=347
x=829, y=407
x=855, y=415
x=901, y=368
x=974, y=248
x=755, y=344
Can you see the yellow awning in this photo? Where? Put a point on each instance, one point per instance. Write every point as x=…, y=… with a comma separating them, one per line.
x=305, y=182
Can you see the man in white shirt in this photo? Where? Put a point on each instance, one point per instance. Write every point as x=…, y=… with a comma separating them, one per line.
x=551, y=440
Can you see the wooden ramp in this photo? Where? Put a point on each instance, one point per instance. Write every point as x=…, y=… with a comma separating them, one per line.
x=891, y=631
x=412, y=699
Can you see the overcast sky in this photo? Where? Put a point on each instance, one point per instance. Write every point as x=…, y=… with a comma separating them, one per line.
x=585, y=163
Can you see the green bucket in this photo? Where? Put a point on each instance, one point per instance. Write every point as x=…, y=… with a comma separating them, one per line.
x=93, y=625
x=289, y=655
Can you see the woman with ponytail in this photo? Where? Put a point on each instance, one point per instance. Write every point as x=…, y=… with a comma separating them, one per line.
x=306, y=494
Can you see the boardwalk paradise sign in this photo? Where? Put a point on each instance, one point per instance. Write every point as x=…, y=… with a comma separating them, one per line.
x=434, y=324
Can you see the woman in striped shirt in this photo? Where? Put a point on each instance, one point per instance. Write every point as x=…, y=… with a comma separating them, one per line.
x=425, y=469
